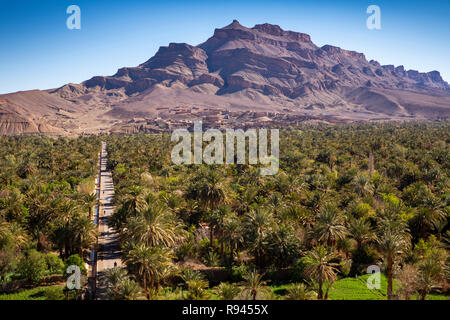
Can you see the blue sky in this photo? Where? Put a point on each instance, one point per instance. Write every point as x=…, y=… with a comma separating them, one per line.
x=37, y=51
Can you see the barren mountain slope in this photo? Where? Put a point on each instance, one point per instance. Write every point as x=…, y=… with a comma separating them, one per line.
x=262, y=69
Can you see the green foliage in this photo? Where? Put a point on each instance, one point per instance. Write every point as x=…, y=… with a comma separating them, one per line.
x=32, y=266
x=76, y=261
x=54, y=264
x=238, y=272
x=38, y=293
x=227, y=291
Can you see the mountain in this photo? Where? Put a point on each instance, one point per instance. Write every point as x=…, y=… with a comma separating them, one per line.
x=258, y=74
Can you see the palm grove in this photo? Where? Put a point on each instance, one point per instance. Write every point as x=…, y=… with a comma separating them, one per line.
x=346, y=197
x=46, y=204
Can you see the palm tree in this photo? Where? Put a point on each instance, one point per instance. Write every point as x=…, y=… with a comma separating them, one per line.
x=41, y=213
x=120, y=286
x=258, y=224
x=392, y=241
x=12, y=207
x=246, y=198
x=232, y=234
x=431, y=270
x=254, y=285
x=84, y=232
x=330, y=226
x=90, y=200
x=133, y=200
x=283, y=243
x=362, y=185
x=227, y=291
x=128, y=290
x=153, y=225
x=425, y=220
x=197, y=289
x=210, y=190
x=300, y=291
x=320, y=267
x=114, y=277
x=216, y=224
x=361, y=231
x=149, y=263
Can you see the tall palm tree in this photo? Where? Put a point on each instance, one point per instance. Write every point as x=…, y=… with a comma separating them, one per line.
x=283, y=243
x=85, y=233
x=320, y=267
x=426, y=219
x=12, y=207
x=361, y=231
x=216, y=224
x=149, y=263
x=258, y=224
x=90, y=200
x=431, y=270
x=393, y=239
x=153, y=225
x=232, y=233
x=329, y=226
x=210, y=191
x=362, y=185
x=133, y=199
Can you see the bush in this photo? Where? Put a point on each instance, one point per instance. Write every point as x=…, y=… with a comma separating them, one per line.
x=212, y=259
x=32, y=266
x=297, y=273
x=54, y=263
x=238, y=272
x=360, y=259
x=77, y=261
x=185, y=250
x=227, y=291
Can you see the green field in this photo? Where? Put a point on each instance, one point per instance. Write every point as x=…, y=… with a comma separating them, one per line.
x=356, y=289
x=38, y=293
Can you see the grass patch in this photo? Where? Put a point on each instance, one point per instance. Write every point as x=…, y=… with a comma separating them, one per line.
x=356, y=289
x=38, y=293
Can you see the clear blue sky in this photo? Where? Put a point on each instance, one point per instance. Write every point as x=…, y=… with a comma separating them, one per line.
x=37, y=51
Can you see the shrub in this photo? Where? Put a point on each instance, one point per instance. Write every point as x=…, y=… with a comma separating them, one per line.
x=32, y=266
x=77, y=261
x=300, y=291
x=238, y=272
x=185, y=250
x=298, y=270
x=212, y=259
x=227, y=291
x=197, y=290
x=54, y=263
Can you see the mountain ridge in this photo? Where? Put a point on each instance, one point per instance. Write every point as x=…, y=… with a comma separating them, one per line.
x=240, y=69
